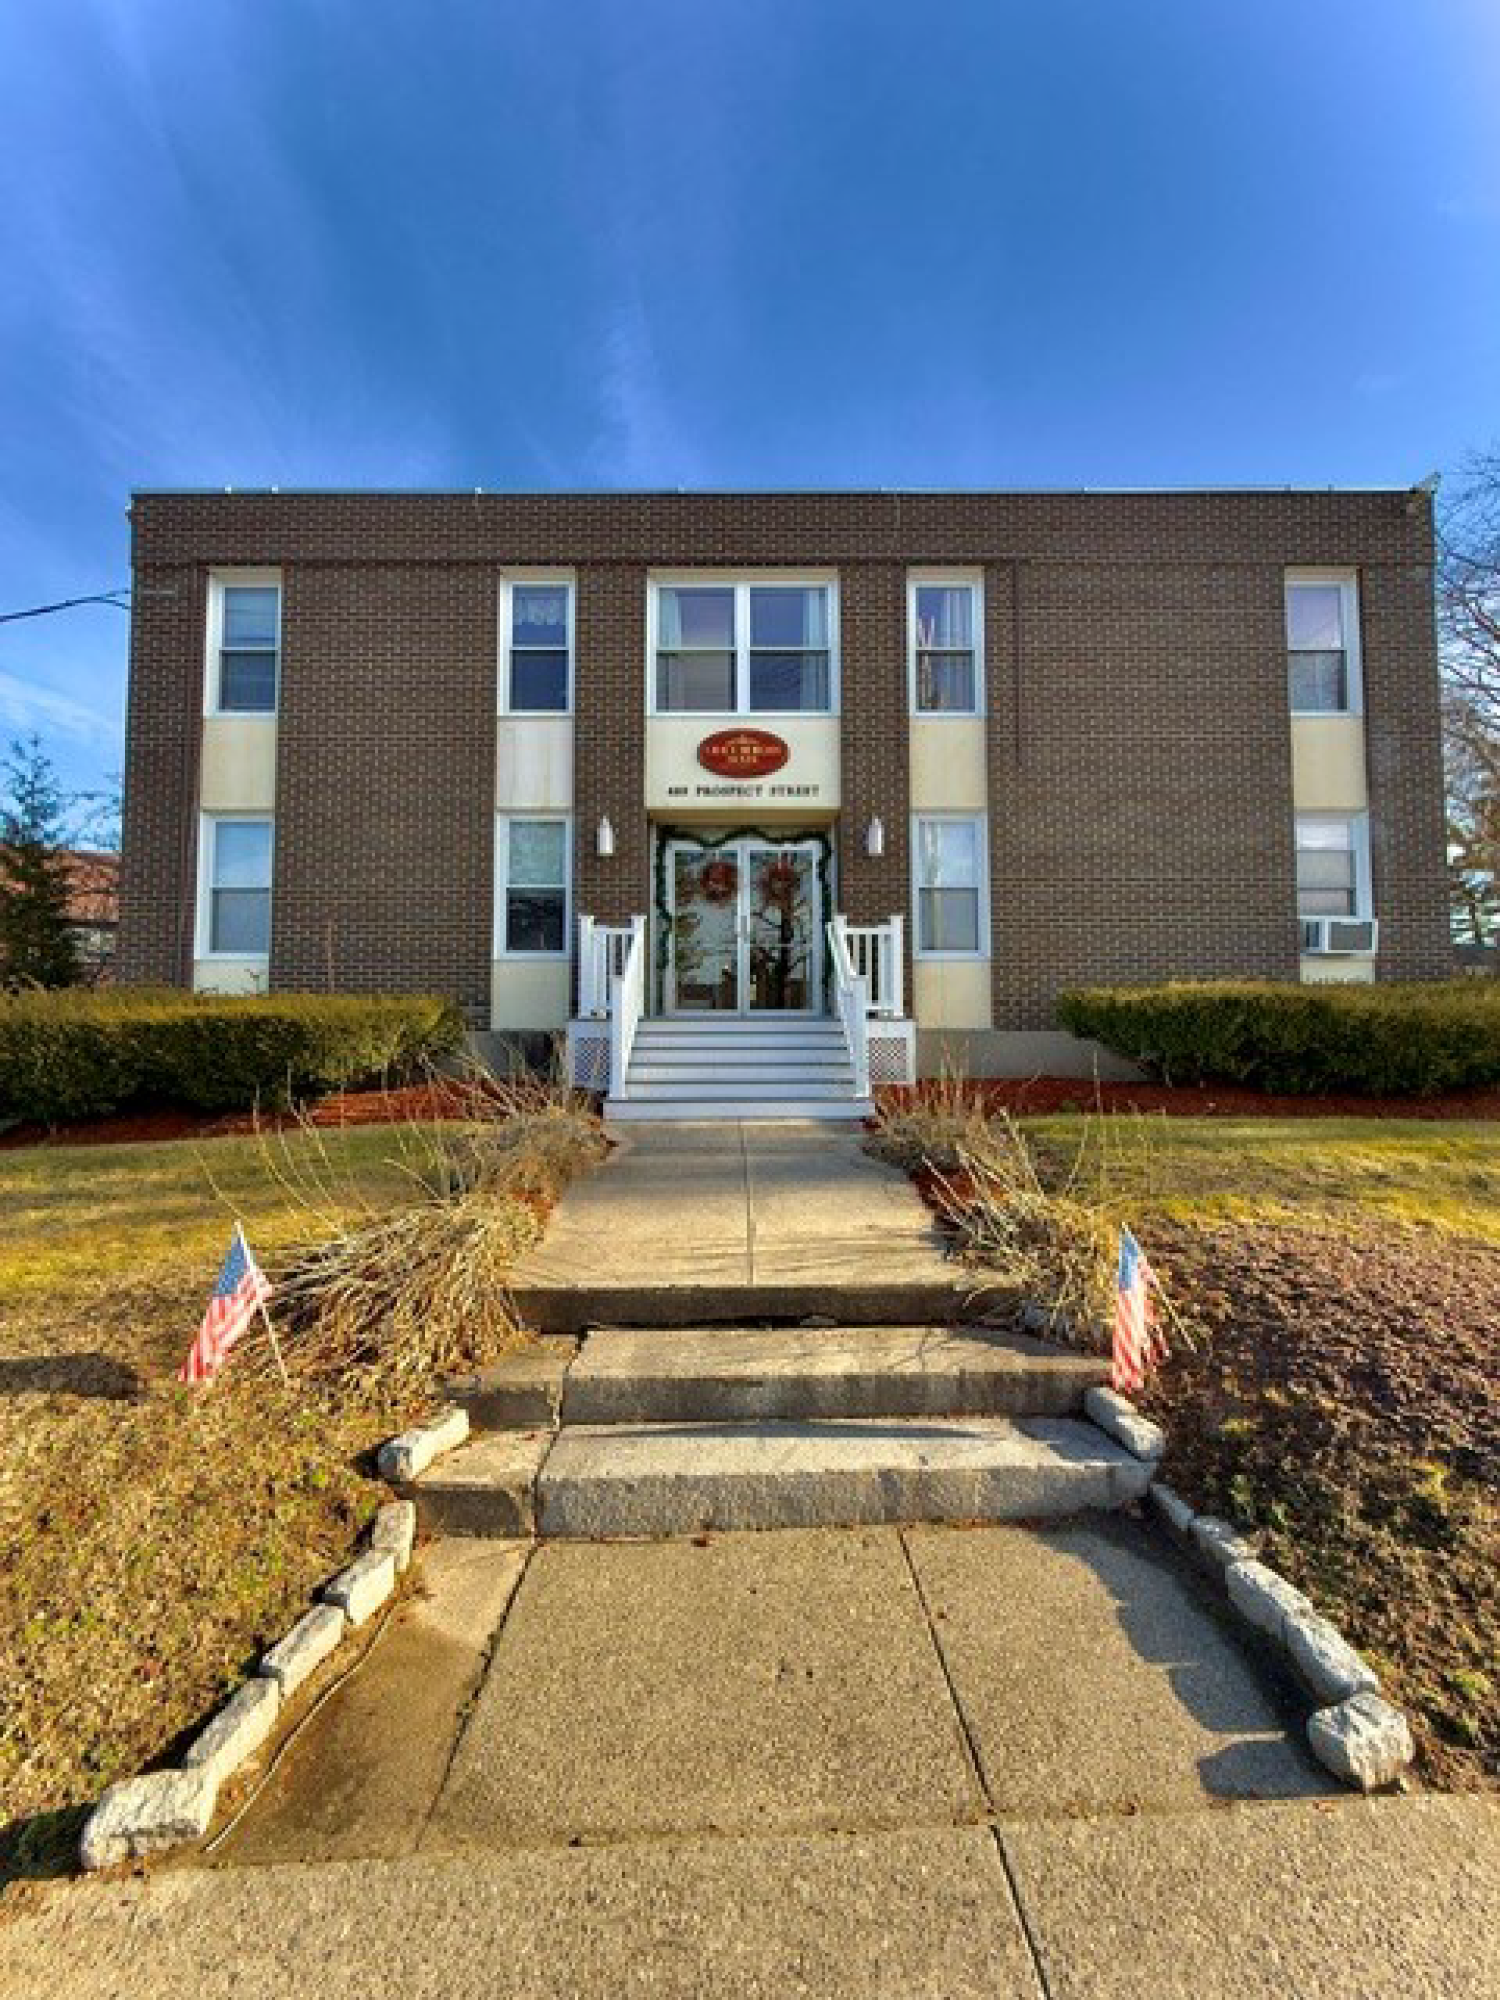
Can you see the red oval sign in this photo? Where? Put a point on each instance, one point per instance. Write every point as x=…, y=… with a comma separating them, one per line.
x=742, y=753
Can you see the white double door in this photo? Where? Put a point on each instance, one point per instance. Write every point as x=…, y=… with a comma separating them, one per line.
x=745, y=928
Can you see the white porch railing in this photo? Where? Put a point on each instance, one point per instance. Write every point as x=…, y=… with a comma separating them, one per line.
x=875, y=953
x=851, y=996
x=602, y=951
x=627, y=1003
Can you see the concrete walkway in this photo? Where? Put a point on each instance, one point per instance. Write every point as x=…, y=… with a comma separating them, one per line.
x=691, y=1222
x=928, y=1761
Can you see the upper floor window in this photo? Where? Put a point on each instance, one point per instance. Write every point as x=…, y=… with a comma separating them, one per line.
x=244, y=647
x=235, y=917
x=1332, y=865
x=536, y=646
x=949, y=860
x=1322, y=641
x=945, y=619
x=743, y=648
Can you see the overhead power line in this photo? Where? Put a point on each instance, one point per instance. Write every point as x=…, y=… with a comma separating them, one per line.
x=120, y=599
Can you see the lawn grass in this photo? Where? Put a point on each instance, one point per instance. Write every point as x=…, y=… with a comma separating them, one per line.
x=1289, y=1170
x=157, y=1538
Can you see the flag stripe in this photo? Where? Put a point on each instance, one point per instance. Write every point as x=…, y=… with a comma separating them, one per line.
x=242, y=1288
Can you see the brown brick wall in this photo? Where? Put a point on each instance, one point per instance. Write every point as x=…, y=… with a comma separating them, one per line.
x=385, y=779
x=1141, y=804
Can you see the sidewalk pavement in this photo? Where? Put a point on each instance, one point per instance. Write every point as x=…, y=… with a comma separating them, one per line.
x=699, y=1209
x=935, y=1761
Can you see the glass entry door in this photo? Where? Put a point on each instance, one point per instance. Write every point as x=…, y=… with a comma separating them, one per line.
x=746, y=928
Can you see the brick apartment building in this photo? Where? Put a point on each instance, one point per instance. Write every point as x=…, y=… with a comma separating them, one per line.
x=770, y=794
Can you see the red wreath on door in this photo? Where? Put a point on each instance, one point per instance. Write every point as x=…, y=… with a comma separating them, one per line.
x=719, y=882
x=782, y=882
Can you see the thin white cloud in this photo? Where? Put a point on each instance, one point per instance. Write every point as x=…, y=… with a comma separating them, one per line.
x=28, y=705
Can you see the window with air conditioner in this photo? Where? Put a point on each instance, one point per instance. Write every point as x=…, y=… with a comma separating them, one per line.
x=1333, y=883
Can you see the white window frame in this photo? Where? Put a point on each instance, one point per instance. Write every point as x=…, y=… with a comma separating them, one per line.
x=219, y=579
x=203, y=928
x=563, y=579
x=1358, y=828
x=955, y=579
x=502, y=947
x=1347, y=583
x=986, y=925
x=742, y=582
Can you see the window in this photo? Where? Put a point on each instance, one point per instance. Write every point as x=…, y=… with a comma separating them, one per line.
x=532, y=879
x=949, y=856
x=237, y=871
x=1322, y=640
x=536, y=640
x=1332, y=866
x=244, y=645
x=944, y=620
x=743, y=648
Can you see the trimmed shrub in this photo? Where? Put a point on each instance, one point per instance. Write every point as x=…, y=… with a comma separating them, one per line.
x=1382, y=1040
x=75, y=1054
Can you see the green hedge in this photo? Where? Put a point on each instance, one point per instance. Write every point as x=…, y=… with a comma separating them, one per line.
x=79, y=1054
x=1382, y=1040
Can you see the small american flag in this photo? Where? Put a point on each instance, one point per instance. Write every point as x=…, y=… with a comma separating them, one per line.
x=241, y=1291
x=1138, y=1340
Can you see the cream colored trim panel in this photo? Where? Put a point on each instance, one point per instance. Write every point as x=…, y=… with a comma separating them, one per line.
x=529, y=994
x=949, y=766
x=534, y=763
x=952, y=993
x=1328, y=764
x=239, y=764
x=231, y=975
x=1332, y=971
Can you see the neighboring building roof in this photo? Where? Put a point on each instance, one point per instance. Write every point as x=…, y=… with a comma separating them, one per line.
x=95, y=897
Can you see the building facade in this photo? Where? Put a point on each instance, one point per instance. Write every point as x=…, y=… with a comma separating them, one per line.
x=415, y=740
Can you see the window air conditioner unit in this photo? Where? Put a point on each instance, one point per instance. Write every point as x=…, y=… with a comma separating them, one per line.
x=1339, y=937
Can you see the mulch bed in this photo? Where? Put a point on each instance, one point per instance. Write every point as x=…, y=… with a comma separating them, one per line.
x=1344, y=1402
x=1035, y=1097
x=415, y=1101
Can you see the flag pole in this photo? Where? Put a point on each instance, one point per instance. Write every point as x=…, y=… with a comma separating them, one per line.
x=286, y=1380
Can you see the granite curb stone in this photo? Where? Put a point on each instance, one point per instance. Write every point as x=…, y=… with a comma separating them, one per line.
x=1326, y=1661
x=402, y=1458
x=144, y=1815
x=239, y=1729
x=310, y=1641
x=1365, y=1740
x=1266, y=1600
x=364, y=1586
x=395, y=1529
x=1173, y=1509
x=1119, y=1419
x=1218, y=1544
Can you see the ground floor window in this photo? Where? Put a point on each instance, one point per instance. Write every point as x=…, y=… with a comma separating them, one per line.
x=949, y=860
x=1332, y=871
x=531, y=886
x=235, y=917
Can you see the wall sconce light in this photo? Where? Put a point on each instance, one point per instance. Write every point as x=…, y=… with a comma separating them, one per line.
x=605, y=839
x=875, y=839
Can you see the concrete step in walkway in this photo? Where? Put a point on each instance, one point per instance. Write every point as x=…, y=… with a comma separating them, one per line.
x=675, y=1479
x=625, y=1375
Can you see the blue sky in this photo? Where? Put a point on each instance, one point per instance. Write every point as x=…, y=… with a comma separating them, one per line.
x=719, y=242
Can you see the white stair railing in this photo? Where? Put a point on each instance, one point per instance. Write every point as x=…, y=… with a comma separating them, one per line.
x=875, y=952
x=602, y=950
x=627, y=1003
x=851, y=995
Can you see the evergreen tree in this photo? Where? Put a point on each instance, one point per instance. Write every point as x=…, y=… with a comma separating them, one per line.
x=37, y=945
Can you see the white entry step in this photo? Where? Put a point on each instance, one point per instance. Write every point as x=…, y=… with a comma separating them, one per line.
x=736, y=1066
